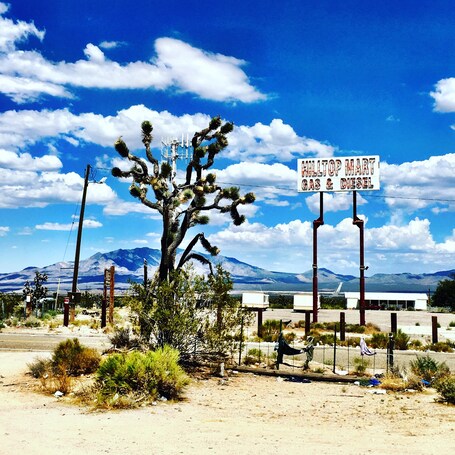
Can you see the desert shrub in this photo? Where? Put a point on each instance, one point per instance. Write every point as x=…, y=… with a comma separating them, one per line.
x=333, y=303
x=281, y=301
x=123, y=339
x=32, y=322
x=326, y=338
x=254, y=356
x=415, y=344
x=379, y=340
x=440, y=346
x=270, y=330
x=372, y=328
x=394, y=383
x=428, y=368
x=69, y=358
x=351, y=342
x=355, y=328
x=140, y=377
x=452, y=324
x=73, y=359
x=40, y=367
x=290, y=337
x=360, y=365
x=401, y=340
x=445, y=386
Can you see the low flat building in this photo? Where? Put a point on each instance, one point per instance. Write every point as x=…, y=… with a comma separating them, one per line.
x=388, y=301
x=255, y=300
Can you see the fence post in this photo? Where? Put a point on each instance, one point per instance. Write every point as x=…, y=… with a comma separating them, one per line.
x=393, y=323
x=307, y=322
x=334, y=349
x=434, y=329
x=390, y=347
x=342, y=326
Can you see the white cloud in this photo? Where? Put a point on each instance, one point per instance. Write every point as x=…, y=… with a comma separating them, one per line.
x=420, y=184
x=275, y=141
x=211, y=76
x=41, y=188
x=111, y=44
x=26, y=75
x=48, y=226
x=386, y=248
x=332, y=202
x=12, y=160
x=444, y=95
x=258, y=143
x=4, y=231
x=12, y=32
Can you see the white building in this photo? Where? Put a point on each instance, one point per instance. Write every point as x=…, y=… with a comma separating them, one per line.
x=255, y=300
x=304, y=301
x=388, y=300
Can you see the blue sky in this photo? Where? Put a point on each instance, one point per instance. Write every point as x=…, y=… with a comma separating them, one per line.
x=299, y=79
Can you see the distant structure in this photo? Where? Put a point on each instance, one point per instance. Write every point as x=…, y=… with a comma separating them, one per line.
x=255, y=300
x=303, y=301
x=388, y=301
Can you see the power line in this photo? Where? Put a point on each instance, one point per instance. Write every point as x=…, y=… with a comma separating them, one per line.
x=290, y=188
x=370, y=195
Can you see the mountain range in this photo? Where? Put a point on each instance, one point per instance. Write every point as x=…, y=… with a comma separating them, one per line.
x=129, y=266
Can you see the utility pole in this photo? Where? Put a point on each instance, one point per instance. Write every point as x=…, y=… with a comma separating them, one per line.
x=74, y=296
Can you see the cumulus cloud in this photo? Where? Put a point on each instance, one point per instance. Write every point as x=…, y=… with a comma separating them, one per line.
x=419, y=184
x=274, y=141
x=338, y=245
x=19, y=161
x=4, y=230
x=333, y=202
x=40, y=188
x=444, y=95
x=12, y=33
x=48, y=226
x=177, y=66
x=263, y=143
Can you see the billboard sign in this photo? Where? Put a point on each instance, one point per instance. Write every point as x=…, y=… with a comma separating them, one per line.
x=359, y=173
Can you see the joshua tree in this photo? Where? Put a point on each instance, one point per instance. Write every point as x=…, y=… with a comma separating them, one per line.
x=35, y=290
x=186, y=204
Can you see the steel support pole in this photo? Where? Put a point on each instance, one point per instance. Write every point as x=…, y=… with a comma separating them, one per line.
x=316, y=223
x=71, y=307
x=360, y=224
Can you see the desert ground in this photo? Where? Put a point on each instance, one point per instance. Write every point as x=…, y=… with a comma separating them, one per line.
x=238, y=414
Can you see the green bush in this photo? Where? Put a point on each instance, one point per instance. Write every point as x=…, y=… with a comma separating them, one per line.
x=445, y=386
x=415, y=344
x=428, y=368
x=440, y=346
x=74, y=359
x=452, y=324
x=253, y=356
x=32, y=321
x=139, y=377
x=355, y=328
x=122, y=339
x=379, y=340
x=270, y=330
x=401, y=340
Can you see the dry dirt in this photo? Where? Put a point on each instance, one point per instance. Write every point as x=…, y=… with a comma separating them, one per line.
x=240, y=414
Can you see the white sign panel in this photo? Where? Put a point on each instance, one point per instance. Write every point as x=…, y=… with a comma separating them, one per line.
x=359, y=173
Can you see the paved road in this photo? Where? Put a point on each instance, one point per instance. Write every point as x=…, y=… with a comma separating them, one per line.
x=47, y=341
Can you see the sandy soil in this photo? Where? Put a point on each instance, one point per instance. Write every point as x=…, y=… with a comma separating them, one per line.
x=240, y=414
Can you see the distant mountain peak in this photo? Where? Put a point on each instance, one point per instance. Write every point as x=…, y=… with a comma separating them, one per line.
x=129, y=265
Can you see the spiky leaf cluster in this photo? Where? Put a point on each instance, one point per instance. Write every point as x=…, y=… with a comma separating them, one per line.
x=182, y=205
